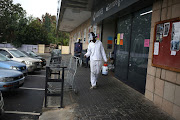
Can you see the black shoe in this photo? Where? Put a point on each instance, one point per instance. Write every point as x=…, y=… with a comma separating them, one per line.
x=97, y=84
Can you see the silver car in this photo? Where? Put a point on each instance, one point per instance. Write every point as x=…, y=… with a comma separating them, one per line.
x=16, y=55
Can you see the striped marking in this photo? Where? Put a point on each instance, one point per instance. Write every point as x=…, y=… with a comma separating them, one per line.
x=25, y=88
x=37, y=75
x=23, y=113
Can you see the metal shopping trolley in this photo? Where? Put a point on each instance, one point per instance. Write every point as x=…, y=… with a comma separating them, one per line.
x=69, y=75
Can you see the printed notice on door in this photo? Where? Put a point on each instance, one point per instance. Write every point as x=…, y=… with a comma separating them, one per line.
x=156, y=48
x=118, y=38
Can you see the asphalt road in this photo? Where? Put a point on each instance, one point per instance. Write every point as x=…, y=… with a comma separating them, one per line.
x=26, y=102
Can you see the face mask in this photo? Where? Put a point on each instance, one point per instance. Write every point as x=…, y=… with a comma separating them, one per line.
x=94, y=40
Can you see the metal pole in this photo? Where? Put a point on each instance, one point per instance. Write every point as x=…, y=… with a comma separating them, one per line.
x=62, y=89
x=47, y=70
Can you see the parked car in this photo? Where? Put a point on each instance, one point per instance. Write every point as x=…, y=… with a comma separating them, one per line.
x=10, y=79
x=34, y=55
x=16, y=55
x=10, y=64
x=1, y=104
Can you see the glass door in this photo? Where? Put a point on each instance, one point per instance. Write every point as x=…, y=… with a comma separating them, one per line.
x=141, y=27
x=122, y=51
x=132, y=56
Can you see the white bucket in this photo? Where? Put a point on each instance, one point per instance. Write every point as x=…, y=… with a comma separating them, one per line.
x=105, y=70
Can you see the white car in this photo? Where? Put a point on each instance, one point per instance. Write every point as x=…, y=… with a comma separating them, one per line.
x=16, y=55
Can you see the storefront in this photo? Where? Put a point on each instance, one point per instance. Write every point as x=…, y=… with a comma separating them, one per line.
x=133, y=48
x=126, y=32
x=128, y=27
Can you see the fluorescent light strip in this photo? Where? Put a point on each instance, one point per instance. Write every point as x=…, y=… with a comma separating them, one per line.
x=146, y=13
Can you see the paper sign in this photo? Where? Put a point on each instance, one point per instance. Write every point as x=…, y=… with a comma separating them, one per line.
x=166, y=29
x=109, y=41
x=110, y=38
x=173, y=52
x=118, y=38
x=146, y=43
x=156, y=48
x=122, y=36
x=121, y=42
x=175, y=40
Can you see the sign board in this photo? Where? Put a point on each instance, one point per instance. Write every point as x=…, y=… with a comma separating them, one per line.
x=107, y=8
x=166, y=50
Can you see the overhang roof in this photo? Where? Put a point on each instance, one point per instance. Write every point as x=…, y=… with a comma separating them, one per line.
x=73, y=13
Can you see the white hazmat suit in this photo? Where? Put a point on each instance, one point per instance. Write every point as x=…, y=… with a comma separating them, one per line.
x=96, y=53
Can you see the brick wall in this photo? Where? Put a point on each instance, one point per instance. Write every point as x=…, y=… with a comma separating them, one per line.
x=163, y=86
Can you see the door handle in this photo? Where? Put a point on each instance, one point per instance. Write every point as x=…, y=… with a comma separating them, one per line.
x=129, y=65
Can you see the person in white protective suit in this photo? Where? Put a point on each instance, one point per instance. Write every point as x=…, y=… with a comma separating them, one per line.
x=96, y=52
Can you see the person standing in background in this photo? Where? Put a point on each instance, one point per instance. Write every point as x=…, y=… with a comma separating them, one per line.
x=78, y=48
x=96, y=52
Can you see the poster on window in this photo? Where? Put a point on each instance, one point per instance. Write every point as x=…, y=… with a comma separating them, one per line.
x=95, y=30
x=89, y=30
x=175, y=36
x=84, y=40
x=109, y=42
x=159, y=32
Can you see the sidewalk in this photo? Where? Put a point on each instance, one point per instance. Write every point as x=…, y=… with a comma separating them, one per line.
x=112, y=100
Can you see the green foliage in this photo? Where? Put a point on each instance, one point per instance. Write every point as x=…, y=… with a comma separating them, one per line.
x=36, y=33
x=15, y=28
x=63, y=38
x=20, y=37
x=49, y=22
x=10, y=15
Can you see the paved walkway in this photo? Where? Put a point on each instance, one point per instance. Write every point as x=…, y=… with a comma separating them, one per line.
x=112, y=100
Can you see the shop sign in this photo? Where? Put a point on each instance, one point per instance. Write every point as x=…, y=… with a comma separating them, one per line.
x=108, y=9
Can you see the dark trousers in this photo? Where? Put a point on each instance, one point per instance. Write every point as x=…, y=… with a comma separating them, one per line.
x=87, y=59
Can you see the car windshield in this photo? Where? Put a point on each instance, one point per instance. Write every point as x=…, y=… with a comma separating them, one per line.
x=33, y=54
x=17, y=53
x=4, y=58
x=26, y=53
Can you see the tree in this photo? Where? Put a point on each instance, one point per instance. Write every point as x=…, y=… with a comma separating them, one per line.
x=15, y=28
x=20, y=37
x=63, y=38
x=36, y=33
x=10, y=15
x=49, y=22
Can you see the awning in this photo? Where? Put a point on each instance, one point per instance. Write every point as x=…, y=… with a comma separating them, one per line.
x=72, y=13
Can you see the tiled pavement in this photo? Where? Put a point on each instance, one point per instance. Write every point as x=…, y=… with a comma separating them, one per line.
x=112, y=100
